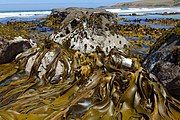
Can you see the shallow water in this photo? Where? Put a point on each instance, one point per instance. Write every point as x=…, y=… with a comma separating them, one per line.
x=47, y=30
x=157, y=26
x=147, y=13
x=155, y=16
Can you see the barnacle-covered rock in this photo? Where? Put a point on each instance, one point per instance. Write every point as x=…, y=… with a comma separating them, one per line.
x=85, y=29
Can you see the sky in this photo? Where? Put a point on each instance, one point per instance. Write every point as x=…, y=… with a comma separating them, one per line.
x=10, y=5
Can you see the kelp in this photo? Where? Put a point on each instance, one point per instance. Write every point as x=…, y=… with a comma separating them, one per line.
x=91, y=86
x=9, y=71
x=15, y=29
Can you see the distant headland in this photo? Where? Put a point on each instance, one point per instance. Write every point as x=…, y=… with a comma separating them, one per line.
x=145, y=3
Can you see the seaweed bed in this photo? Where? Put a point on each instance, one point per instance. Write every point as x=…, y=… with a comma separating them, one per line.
x=76, y=85
x=92, y=86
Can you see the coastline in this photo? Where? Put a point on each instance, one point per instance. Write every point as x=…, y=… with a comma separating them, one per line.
x=145, y=10
x=137, y=11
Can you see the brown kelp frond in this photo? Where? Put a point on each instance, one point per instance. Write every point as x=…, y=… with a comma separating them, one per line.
x=63, y=84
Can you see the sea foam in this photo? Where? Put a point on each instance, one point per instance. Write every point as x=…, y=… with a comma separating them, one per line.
x=23, y=14
x=142, y=11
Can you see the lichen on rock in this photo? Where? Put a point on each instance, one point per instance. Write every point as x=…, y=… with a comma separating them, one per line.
x=86, y=29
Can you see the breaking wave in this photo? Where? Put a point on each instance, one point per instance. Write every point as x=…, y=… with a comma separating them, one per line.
x=142, y=11
x=22, y=15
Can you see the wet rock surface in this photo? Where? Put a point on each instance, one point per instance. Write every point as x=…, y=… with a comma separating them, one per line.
x=10, y=49
x=164, y=61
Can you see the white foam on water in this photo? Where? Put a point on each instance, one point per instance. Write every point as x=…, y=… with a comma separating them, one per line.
x=144, y=10
x=23, y=14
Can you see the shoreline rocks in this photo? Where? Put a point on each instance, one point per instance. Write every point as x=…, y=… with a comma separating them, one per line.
x=164, y=61
x=10, y=49
x=85, y=29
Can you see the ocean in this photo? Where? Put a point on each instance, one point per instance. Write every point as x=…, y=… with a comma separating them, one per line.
x=147, y=13
x=141, y=13
x=6, y=16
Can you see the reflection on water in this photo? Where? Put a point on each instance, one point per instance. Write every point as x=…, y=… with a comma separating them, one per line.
x=157, y=26
x=15, y=19
x=132, y=38
x=143, y=20
x=43, y=29
x=153, y=16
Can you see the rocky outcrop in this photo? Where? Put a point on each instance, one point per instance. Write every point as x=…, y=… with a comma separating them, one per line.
x=85, y=29
x=10, y=49
x=164, y=61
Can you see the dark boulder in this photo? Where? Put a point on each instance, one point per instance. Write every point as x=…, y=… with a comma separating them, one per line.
x=164, y=61
x=9, y=50
x=98, y=18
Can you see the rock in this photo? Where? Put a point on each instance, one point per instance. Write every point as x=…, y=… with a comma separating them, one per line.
x=10, y=49
x=2, y=42
x=164, y=61
x=85, y=29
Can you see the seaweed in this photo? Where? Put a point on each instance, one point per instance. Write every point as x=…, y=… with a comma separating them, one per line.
x=15, y=29
x=90, y=87
x=53, y=82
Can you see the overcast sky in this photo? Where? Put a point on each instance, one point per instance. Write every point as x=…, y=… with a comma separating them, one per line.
x=6, y=5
